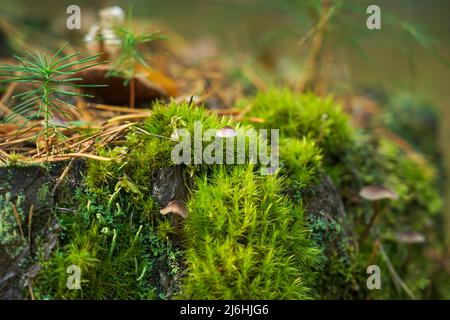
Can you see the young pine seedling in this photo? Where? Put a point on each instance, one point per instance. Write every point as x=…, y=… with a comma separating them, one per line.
x=52, y=79
x=129, y=55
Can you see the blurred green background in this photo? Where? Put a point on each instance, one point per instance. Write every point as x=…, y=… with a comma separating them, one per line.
x=387, y=59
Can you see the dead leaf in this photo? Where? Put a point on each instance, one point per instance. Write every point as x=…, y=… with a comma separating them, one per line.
x=117, y=93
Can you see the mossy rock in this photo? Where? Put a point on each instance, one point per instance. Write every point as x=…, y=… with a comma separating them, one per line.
x=323, y=200
x=171, y=183
x=27, y=191
x=284, y=236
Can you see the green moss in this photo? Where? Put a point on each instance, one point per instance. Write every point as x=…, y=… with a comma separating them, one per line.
x=44, y=193
x=237, y=239
x=416, y=210
x=119, y=258
x=250, y=249
x=298, y=116
x=118, y=223
x=380, y=161
x=300, y=161
x=10, y=238
x=247, y=235
x=354, y=160
x=339, y=274
x=148, y=146
x=230, y=250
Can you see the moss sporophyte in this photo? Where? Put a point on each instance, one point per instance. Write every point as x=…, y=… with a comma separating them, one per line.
x=228, y=146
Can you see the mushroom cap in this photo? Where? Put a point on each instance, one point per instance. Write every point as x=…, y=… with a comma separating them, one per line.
x=410, y=237
x=112, y=16
x=226, y=132
x=177, y=207
x=376, y=192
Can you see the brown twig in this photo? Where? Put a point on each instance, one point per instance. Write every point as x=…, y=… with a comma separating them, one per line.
x=375, y=213
x=312, y=69
x=244, y=111
x=4, y=157
x=114, y=108
x=224, y=112
x=374, y=251
x=67, y=156
x=16, y=214
x=30, y=289
x=9, y=91
x=129, y=116
x=5, y=111
x=98, y=135
x=399, y=283
x=256, y=120
x=62, y=176
x=30, y=219
x=254, y=78
x=15, y=141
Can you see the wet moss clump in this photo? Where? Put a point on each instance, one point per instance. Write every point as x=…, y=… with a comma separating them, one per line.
x=290, y=235
x=120, y=256
x=235, y=236
x=304, y=116
x=117, y=232
x=245, y=239
x=354, y=159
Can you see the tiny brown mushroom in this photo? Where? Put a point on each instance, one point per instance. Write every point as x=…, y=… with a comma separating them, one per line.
x=410, y=237
x=226, y=132
x=179, y=211
x=177, y=207
x=375, y=193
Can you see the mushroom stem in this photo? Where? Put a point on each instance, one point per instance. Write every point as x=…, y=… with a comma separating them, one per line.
x=408, y=256
x=179, y=212
x=176, y=224
x=376, y=211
